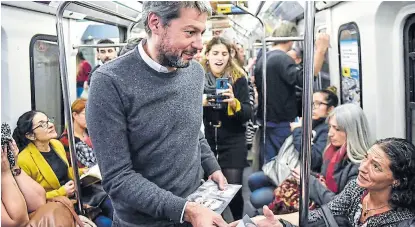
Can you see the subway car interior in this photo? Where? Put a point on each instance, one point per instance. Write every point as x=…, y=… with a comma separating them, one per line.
x=308, y=97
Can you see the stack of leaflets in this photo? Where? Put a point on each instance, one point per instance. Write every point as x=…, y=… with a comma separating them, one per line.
x=210, y=196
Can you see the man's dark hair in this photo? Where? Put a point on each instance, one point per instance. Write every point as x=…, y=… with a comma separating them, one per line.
x=105, y=41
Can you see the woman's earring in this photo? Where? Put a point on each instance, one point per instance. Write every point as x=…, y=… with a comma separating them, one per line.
x=394, y=185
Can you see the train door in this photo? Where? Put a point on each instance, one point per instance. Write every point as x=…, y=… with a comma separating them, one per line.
x=409, y=55
x=45, y=83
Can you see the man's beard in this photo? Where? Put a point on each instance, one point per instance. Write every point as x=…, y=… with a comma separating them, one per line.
x=169, y=58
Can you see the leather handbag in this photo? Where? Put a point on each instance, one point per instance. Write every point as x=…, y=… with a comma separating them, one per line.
x=58, y=212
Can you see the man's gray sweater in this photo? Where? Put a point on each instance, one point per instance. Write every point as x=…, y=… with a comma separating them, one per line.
x=145, y=128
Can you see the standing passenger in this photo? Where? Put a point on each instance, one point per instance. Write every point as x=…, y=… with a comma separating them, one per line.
x=144, y=116
x=282, y=77
x=225, y=129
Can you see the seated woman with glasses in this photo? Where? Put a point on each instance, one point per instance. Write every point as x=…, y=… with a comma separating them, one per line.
x=324, y=102
x=43, y=157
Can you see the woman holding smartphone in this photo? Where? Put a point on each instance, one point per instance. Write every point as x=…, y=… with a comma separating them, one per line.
x=225, y=118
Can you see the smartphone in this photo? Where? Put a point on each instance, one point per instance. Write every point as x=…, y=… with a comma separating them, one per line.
x=221, y=86
x=6, y=139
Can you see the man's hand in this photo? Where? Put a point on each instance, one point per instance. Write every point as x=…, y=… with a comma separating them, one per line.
x=200, y=216
x=219, y=178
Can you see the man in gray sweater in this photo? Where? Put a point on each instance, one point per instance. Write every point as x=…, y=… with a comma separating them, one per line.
x=144, y=114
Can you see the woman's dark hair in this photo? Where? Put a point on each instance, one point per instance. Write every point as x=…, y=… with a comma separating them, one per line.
x=401, y=154
x=331, y=96
x=24, y=126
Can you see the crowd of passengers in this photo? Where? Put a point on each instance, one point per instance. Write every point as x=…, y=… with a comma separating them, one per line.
x=355, y=180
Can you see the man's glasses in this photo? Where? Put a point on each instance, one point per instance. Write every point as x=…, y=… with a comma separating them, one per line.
x=45, y=124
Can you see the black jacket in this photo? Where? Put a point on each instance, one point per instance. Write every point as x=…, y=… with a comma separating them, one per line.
x=231, y=142
x=282, y=77
x=319, y=143
x=343, y=174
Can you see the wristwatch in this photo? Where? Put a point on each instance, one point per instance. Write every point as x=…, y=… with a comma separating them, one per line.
x=16, y=171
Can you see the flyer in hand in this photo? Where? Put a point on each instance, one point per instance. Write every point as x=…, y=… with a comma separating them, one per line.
x=210, y=196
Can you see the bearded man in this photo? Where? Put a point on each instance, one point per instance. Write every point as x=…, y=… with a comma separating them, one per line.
x=144, y=114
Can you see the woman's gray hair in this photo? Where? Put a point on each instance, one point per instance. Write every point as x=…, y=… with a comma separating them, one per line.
x=169, y=10
x=352, y=120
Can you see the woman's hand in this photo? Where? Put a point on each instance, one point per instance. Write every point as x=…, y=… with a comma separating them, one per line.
x=69, y=188
x=295, y=125
x=268, y=220
x=5, y=165
x=231, y=97
x=296, y=174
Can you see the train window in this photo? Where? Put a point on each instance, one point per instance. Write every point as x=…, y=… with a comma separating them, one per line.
x=409, y=55
x=46, y=89
x=350, y=64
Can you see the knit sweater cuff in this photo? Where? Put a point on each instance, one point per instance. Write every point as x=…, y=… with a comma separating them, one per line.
x=210, y=166
x=173, y=208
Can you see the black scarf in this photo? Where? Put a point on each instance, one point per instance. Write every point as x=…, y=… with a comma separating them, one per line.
x=317, y=122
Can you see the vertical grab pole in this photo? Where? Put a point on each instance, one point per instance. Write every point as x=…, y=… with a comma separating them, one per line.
x=308, y=77
x=264, y=71
x=66, y=98
x=264, y=83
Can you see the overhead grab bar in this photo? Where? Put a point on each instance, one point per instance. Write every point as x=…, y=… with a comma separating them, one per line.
x=104, y=10
x=276, y=39
x=99, y=45
x=308, y=77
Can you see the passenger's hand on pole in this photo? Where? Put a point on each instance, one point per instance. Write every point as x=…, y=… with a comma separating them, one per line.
x=230, y=97
x=200, y=216
x=219, y=178
x=296, y=174
x=322, y=42
x=69, y=188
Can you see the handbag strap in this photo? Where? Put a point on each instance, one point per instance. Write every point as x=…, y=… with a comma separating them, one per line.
x=74, y=214
x=328, y=217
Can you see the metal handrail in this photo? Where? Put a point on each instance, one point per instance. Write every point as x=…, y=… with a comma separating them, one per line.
x=308, y=77
x=264, y=71
x=66, y=99
x=65, y=84
x=98, y=45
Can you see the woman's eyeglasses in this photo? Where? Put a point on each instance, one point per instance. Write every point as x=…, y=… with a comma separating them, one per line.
x=318, y=104
x=45, y=124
